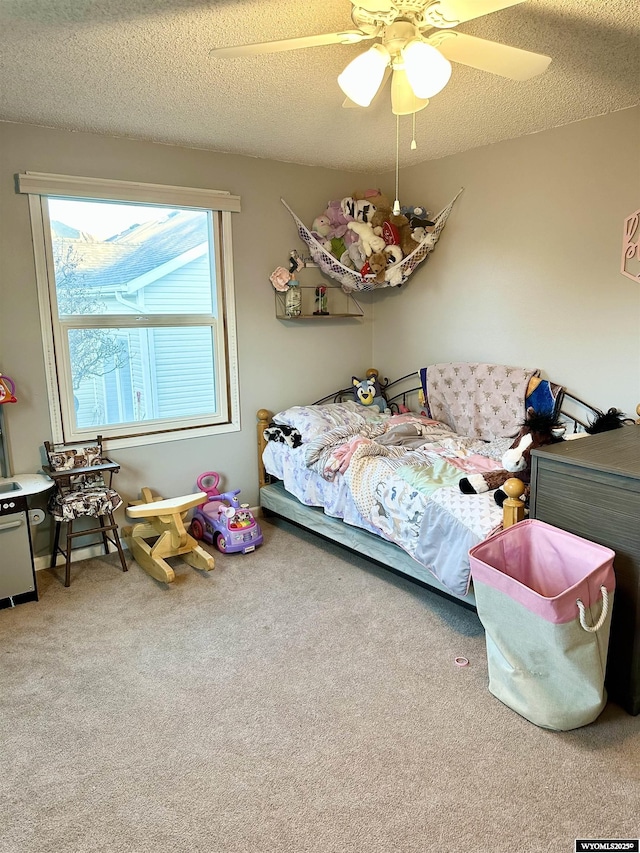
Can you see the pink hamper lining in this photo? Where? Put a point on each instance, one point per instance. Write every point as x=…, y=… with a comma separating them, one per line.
x=544, y=568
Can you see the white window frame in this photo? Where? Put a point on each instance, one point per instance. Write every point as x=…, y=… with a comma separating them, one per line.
x=39, y=186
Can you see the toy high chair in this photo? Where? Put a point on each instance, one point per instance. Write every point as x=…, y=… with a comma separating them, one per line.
x=164, y=519
x=82, y=474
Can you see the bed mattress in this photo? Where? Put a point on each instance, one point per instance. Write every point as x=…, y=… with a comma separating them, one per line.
x=407, y=496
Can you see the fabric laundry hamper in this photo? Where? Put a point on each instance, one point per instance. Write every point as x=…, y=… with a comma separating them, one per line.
x=544, y=597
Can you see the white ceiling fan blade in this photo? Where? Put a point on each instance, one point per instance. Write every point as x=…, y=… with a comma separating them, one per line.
x=450, y=13
x=349, y=104
x=490, y=56
x=345, y=37
x=403, y=99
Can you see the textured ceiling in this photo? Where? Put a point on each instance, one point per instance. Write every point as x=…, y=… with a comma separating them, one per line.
x=141, y=69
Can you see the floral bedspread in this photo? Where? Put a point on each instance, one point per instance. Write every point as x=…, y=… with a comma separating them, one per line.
x=397, y=476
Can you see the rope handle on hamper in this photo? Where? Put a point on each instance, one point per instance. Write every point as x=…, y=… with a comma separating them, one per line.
x=603, y=615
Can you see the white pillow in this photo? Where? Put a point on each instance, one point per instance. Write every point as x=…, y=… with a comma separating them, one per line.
x=312, y=421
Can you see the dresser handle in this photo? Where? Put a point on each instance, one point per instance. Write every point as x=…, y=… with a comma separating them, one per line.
x=603, y=615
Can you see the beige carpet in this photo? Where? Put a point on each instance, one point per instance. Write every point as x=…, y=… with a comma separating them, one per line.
x=292, y=700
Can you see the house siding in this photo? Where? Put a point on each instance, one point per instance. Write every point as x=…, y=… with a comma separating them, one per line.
x=184, y=371
x=186, y=289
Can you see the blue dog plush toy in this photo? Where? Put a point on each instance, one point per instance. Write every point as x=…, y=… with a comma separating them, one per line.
x=367, y=391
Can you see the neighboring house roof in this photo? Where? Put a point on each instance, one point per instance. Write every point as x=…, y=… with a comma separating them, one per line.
x=139, y=251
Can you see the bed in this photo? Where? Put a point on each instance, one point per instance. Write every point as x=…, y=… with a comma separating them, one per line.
x=386, y=484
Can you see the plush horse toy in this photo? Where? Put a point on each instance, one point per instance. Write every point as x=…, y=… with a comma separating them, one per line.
x=537, y=431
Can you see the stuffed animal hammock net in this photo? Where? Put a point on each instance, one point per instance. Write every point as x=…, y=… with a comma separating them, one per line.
x=351, y=279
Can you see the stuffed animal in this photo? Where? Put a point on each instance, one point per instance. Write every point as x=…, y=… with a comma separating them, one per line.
x=354, y=257
x=347, y=210
x=537, y=431
x=283, y=433
x=370, y=241
x=382, y=214
x=418, y=217
x=337, y=218
x=321, y=231
x=394, y=275
x=612, y=419
x=338, y=247
x=375, y=197
x=376, y=265
x=365, y=210
x=403, y=226
x=367, y=391
x=357, y=211
x=371, y=195
x=394, y=254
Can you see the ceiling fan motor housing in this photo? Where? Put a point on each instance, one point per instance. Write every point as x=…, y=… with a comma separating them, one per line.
x=423, y=14
x=396, y=35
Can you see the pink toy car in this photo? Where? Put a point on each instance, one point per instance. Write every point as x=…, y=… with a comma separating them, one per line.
x=223, y=521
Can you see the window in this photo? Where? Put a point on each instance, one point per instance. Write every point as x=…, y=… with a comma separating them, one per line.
x=136, y=300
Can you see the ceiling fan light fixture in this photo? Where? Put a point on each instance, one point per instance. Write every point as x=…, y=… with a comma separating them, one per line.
x=403, y=99
x=362, y=77
x=427, y=70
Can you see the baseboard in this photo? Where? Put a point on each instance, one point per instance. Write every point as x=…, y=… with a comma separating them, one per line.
x=97, y=550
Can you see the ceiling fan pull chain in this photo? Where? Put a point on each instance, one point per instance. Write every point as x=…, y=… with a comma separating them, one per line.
x=414, y=144
x=396, y=203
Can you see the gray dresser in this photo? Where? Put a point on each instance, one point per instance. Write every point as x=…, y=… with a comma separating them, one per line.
x=591, y=487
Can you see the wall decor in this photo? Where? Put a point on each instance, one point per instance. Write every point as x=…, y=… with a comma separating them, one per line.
x=310, y=301
x=630, y=263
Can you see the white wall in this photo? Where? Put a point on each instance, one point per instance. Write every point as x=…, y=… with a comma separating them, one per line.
x=526, y=271
x=280, y=363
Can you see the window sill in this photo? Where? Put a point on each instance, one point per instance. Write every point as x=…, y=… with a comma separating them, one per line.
x=118, y=443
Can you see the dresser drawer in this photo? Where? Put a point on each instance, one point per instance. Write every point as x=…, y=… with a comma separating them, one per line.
x=599, y=511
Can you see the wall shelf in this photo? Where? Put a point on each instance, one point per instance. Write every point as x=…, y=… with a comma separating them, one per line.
x=340, y=305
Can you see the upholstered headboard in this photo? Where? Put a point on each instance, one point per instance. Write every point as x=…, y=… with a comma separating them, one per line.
x=476, y=399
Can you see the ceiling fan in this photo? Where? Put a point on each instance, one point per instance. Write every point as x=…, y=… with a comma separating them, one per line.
x=417, y=59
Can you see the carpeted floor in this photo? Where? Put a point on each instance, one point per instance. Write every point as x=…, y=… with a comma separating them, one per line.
x=294, y=700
